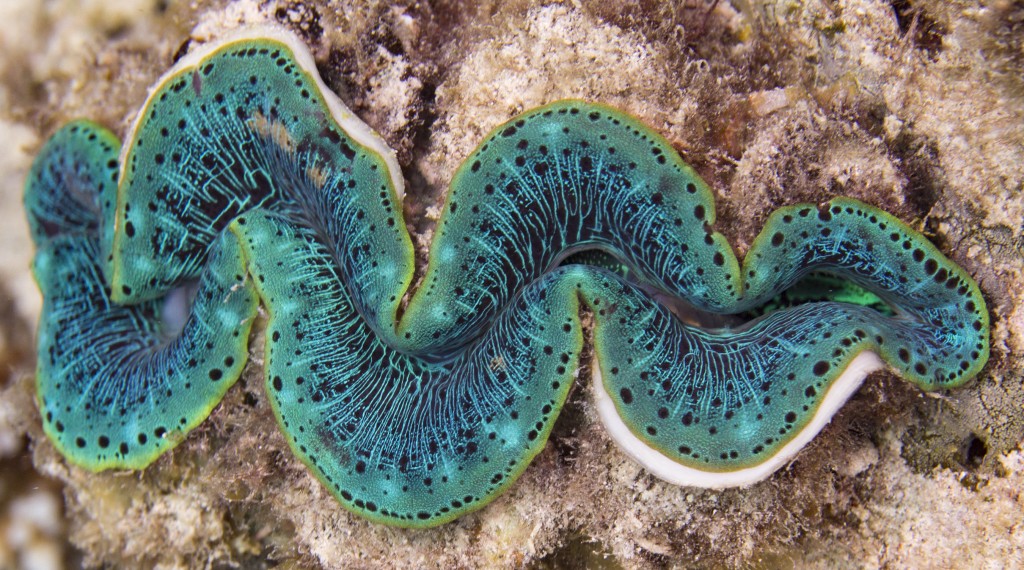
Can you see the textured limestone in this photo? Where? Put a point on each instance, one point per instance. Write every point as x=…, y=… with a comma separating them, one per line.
x=917, y=107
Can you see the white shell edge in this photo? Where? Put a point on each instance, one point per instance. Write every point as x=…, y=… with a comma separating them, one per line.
x=651, y=459
x=664, y=468
x=353, y=125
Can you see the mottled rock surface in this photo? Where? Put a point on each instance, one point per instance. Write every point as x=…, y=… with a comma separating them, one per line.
x=914, y=106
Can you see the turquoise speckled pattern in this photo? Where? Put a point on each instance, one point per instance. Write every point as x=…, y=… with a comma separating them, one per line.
x=245, y=181
x=118, y=386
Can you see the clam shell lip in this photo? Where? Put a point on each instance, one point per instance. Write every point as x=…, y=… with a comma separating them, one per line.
x=349, y=121
x=671, y=471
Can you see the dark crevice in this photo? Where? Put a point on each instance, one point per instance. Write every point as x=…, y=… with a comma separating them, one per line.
x=422, y=128
x=384, y=36
x=182, y=50
x=919, y=161
x=302, y=18
x=974, y=452
x=337, y=70
x=923, y=31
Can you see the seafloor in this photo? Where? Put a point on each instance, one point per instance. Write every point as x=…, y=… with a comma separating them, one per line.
x=914, y=106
